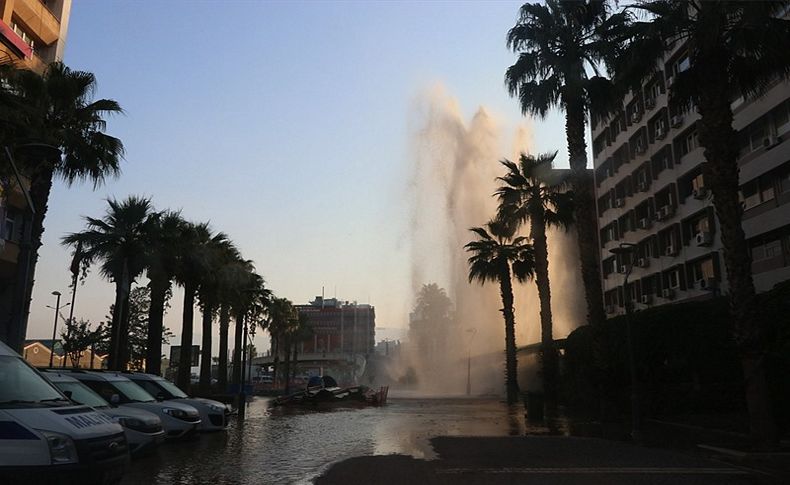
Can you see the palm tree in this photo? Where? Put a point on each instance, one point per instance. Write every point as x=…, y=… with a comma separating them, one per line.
x=735, y=48
x=57, y=109
x=279, y=322
x=558, y=44
x=532, y=191
x=495, y=254
x=164, y=252
x=195, y=264
x=120, y=241
x=250, y=307
x=236, y=278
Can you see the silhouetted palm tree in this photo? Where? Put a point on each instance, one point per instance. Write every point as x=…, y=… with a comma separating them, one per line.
x=533, y=192
x=279, y=323
x=560, y=56
x=495, y=254
x=58, y=109
x=735, y=48
x=119, y=240
x=250, y=307
x=163, y=257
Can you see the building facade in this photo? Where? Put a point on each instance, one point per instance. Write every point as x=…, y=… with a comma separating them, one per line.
x=650, y=191
x=338, y=327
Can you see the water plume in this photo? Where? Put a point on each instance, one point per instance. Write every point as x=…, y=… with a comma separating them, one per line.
x=455, y=164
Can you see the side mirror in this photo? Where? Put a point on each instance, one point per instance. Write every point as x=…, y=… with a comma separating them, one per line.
x=115, y=399
x=67, y=393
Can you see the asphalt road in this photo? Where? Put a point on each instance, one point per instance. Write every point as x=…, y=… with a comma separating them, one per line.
x=544, y=460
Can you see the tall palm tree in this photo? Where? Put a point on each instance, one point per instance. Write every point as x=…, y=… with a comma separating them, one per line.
x=120, y=241
x=236, y=278
x=222, y=254
x=495, y=255
x=250, y=307
x=194, y=267
x=57, y=109
x=561, y=51
x=280, y=320
x=164, y=252
x=533, y=192
x=735, y=48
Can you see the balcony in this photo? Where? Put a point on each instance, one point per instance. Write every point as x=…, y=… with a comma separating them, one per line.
x=41, y=22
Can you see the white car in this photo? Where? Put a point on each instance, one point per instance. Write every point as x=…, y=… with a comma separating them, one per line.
x=178, y=419
x=45, y=438
x=143, y=429
x=213, y=414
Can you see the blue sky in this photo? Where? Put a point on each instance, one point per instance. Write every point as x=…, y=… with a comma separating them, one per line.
x=285, y=124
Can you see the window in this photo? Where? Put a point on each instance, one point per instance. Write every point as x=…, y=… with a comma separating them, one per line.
x=758, y=131
x=688, y=143
x=697, y=182
x=703, y=270
x=701, y=225
x=673, y=279
x=750, y=195
x=683, y=64
x=768, y=250
x=766, y=188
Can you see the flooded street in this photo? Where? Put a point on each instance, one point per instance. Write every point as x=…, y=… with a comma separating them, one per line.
x=295, y=446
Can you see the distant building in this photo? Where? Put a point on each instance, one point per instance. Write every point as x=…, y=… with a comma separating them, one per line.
x=37, y=353
x=338, y=327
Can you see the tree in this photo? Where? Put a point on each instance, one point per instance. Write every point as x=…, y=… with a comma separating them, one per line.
x=496, y=255
x=162, y=260
x=234, y=277
x=56, y=109
x=250, y=306
x=120, y=241
x=735, y=48
x=561, y=49
x=533, y=192
x=430, y=324
x=281, y=321
x=76, y=336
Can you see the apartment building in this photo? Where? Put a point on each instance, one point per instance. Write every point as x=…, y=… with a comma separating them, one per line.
x=650, y=191
x=33, y=32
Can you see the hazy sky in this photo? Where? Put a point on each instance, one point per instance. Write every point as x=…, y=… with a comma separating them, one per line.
x=285, y=124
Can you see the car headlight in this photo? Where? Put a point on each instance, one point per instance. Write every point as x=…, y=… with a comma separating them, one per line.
x=176, y=413
x=217, y=408
x=61, y=448
x=131, y=423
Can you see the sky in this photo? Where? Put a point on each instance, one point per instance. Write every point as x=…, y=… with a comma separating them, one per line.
x=284, y=124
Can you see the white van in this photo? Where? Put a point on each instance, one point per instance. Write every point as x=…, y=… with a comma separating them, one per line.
x=179, y=420
x=214, y=415
x=44, y=438
x=143, y=429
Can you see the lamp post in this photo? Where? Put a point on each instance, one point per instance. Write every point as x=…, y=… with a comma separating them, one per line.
x=473, y=331
x=57, y=308
x=628, y=249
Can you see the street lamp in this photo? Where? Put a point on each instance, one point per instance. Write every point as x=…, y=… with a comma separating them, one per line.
x=57, y=308
x=473, y=331
x=628, y=249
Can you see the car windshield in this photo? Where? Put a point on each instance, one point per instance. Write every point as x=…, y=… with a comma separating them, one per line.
x=21, y=384
x=168, y=386
x=82, y=394
x=132, y=391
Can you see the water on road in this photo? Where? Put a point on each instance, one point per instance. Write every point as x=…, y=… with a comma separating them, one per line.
x=295, y=446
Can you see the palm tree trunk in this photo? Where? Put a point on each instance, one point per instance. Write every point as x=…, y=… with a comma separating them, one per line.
x=117, y=336
x=511, y=364
x=205, y=352
x=287, y=373
x=719, y=140
x=295, y=359
x=222, y=368
x=237, y=341
x=187, y=321
x=548, y=353
x=276, y=362
x=584, y=212
x=124, y=344
x=156, y=311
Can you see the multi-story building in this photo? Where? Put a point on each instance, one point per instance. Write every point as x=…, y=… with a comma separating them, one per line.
x=650, y=191
x=338, y=327
x=32, y=34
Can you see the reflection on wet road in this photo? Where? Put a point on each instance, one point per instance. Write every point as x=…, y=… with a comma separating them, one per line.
x=277, y=446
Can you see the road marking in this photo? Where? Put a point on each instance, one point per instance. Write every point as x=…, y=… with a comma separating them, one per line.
x=598, y=471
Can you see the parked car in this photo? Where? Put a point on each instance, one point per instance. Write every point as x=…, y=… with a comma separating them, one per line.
x=45, y=438
x=179, y=420
x=143, y=429
x=213, y=414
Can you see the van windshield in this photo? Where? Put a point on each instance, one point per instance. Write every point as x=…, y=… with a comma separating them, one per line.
x=174, y=390
x=132, y=391
x=20, y=384
x=82, y=394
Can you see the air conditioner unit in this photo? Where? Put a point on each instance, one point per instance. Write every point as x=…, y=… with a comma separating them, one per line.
x=650, y=103
x=668, y=293
x=707, y=284
x=770, y=141
x=660, y=133
x=636, y=117
x=643, y=262
x=676, y=121
x=700, y=193
x=703, y=238
x=646, y=299
x=643, y=223
x=619, y=202
x=669, y=250
x=622, y=269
